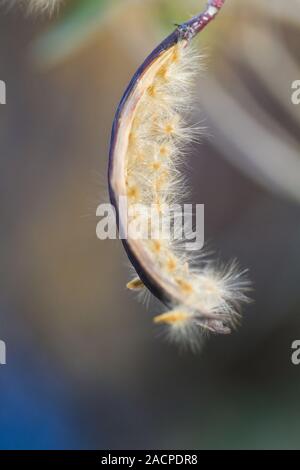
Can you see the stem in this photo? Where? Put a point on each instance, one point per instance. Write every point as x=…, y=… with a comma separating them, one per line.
x=191, y=28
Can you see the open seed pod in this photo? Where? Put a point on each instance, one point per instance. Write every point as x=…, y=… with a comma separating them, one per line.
x=150, y=133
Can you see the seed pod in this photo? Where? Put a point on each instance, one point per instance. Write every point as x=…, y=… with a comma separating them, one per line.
x=148, y=137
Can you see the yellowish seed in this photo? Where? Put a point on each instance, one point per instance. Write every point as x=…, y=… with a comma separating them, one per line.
x=169, y=129
x=133, y=192
x=152, y=91
x=156, y=245
x=171, y=264
x=171, y=318
x=156, y=166
x=164, y=151
x=185, y=286
x=162, y=73
x=175, y=56
x=132, y=139
x=135, y=284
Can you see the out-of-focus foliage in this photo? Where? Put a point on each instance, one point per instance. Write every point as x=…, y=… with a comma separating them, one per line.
x=256, y=61
x=249, y=76
x=80, y=20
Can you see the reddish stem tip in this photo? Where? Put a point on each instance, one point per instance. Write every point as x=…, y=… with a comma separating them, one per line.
x=217, y=3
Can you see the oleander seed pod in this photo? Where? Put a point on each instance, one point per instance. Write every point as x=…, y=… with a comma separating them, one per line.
x=149, y=134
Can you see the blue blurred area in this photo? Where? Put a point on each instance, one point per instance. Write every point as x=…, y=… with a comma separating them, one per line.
x=35, y=408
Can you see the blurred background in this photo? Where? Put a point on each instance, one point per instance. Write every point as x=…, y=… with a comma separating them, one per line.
x=85, y=366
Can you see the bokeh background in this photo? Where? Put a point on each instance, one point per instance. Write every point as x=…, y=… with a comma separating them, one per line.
x=85, y=366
